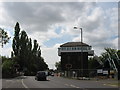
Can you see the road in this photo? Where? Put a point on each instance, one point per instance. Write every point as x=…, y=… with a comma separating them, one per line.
x=55, y=82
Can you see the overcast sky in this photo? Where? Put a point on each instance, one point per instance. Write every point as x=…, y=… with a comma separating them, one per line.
x=51, y=24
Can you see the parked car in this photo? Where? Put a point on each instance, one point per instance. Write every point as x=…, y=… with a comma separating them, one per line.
x=41, y=75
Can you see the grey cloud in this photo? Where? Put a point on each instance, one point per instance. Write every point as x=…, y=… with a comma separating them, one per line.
x=18, y=10
x=38, y=16
x=100, y=42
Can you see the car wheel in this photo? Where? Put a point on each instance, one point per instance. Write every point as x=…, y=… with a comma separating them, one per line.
x=45, y=79
x=37, y=79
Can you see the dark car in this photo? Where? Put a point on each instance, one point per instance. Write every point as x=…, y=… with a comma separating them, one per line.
x=51, y=74
x=41, y=75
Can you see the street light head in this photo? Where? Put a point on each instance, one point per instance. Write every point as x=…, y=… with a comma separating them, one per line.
x=81, y=32
x=75, y=28
x=81, y=28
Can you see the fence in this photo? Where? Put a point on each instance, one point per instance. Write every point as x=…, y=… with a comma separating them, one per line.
x=88, y=73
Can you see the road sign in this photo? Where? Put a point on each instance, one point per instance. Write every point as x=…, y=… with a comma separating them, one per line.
x=99, y=71
x=68, y=66
x=105, y=72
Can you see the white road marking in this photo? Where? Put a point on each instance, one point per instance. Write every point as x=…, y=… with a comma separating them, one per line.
x=0, y=84
x=66, y=84
x=18, y=80
x=9, y=80
x=24, y=84
x=110, y=85
x=72, y=86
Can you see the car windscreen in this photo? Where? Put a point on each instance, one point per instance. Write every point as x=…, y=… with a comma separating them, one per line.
x=41, y=73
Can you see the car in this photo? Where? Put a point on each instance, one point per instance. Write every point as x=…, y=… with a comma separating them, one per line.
x=51, y=74
x=41, y=75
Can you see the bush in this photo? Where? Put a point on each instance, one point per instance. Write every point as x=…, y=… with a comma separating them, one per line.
x=8, y=69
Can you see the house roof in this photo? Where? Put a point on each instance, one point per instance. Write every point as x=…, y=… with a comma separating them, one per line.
x=73, y=44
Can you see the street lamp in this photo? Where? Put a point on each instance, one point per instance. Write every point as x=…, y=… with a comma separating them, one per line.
x=81, y=50
x=81, y=33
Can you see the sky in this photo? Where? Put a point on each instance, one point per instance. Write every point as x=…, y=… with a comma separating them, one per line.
x=51, y=24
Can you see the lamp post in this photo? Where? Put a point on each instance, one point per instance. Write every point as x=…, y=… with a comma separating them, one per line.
x=81, y=33
x=81, y=50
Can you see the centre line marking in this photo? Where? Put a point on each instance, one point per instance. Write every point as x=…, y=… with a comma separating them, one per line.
x=72, y=86
x=66, y=84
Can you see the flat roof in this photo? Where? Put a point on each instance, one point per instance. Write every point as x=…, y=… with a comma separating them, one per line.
x=73, y=44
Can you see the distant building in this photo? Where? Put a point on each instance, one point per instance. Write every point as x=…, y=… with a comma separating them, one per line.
x=74, y=56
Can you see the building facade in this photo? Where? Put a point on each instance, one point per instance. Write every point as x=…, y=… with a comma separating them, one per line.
x=74, y=56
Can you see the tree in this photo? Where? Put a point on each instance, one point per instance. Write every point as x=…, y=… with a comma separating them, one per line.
x=112, y=53
x=93, y=63
x=8, y=69
x=35, y=48
x=58, y=65
x=16, y=40
x=27, y=57
x=118, y=52
x=30, y=56
x=4, y=38
x=39, y=63
x=23, y=50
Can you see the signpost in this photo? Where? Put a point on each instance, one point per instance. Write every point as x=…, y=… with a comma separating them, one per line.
x=68, y=66
x=99, y=71
x=105, y=72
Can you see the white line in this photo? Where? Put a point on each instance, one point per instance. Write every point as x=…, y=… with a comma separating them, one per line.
x=110, y=85
x=66, y=84
x=77, y=87
x=24, y=84
x=72, y=86
x=9, y=80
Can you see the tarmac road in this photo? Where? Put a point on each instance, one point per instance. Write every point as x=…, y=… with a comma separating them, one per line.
x=29, y=82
